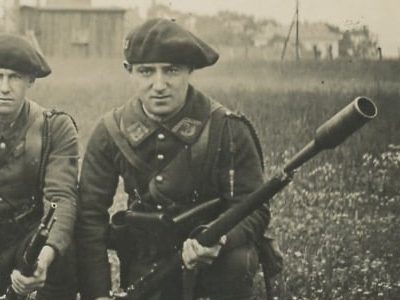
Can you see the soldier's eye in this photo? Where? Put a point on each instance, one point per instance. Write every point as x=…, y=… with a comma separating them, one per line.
x=145, y=71
x=173, y=70
x=15, y=76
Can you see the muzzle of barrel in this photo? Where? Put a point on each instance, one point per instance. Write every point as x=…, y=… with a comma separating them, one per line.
x=352, y=117
x=335, y=130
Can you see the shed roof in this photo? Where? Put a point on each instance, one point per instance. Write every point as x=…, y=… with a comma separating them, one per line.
x=74, y=9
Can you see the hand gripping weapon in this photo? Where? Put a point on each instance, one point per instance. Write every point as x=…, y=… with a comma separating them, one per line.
x=329, y=135
x=32, y=251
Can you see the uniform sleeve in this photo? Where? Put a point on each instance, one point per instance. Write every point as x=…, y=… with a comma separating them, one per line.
x=61, y=180
x=247, y=178
x=97, y=187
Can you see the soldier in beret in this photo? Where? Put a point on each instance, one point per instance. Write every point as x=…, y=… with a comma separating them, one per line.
x=174, y=148
x=35, y=170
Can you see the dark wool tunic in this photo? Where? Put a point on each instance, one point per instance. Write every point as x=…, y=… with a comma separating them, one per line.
x=166, y=174
x=19, y=176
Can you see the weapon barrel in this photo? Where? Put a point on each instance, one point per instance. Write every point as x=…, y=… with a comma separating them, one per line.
x=334, y=131
x=37, y=242
x=49, y=216
x=328, y=136
x=231, y=217
x=142, y=220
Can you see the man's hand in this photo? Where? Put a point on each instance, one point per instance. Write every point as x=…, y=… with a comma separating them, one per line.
x=25, y=285
x=195, y=255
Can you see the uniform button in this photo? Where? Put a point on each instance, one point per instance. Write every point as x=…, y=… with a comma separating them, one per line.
x=160, y=156
x=1, y=199
x=2, y=145
x=159, y=207
x=161, y=136
x=159, y=178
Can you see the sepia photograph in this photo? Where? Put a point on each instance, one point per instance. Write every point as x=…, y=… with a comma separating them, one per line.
x=199, y=150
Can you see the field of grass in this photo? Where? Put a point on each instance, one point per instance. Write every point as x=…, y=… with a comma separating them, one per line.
x=338, y=224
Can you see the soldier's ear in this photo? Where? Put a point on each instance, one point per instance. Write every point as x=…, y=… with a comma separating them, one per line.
x=127, y=66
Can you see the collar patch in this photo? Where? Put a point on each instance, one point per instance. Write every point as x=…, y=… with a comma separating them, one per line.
x=187, y=128
x=137, y=132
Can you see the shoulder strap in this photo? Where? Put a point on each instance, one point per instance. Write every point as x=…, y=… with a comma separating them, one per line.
x=220, y=119
x=38, y=143
x=254, y=135
x=33, y=140
x=199, y=148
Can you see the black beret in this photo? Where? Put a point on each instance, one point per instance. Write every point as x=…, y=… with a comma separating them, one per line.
x=18, y=54
x=161, y=40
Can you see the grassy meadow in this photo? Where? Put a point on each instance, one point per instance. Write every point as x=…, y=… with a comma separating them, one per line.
x=338, y=224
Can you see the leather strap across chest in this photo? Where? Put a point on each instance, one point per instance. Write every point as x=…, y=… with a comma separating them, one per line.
x=198, y=149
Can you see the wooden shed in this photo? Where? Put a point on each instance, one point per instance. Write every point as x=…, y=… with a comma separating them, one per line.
x=75, y=32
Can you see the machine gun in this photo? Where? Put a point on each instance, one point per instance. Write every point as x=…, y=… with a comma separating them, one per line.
x=32, y=251
x=329, y=135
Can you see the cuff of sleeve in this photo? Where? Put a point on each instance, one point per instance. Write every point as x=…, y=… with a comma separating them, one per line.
x=57, y=245
x=56, y=250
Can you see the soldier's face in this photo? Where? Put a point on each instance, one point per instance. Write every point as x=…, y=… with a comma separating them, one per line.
x=161, y=87
x=13, y=87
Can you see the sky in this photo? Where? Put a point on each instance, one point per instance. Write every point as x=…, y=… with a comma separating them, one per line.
x=381, y=16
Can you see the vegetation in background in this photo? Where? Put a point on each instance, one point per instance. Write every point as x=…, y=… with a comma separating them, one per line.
x=338, y=222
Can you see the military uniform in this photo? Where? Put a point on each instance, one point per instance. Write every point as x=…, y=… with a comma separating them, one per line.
x=191, y=153
x=168, y=173
x=18, y=184
x=22, y=148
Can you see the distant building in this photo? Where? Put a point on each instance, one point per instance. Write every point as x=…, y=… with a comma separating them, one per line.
x=320, y=39
x=9, y=15
x=316, y=40
x=359, y=43
x=67, y=3
x=75, y=31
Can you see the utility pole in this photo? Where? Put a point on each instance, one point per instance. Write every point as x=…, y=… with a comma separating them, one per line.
x=297, y=45
x=297, y=31
x=288, y=37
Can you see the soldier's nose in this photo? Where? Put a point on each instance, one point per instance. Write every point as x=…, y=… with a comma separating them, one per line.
x=159, y=83
x=4, y=86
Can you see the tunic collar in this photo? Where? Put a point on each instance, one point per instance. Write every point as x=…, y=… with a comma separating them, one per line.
x=186, y=125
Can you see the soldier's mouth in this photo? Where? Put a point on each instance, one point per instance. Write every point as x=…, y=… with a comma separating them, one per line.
x=160, y=97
